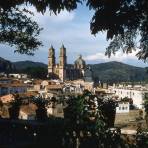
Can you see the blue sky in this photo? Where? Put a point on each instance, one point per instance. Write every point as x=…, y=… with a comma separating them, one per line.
x=73, y=30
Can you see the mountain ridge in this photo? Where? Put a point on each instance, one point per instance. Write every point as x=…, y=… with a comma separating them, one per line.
x=106, y=72
x=20, y=65
x=118, y=72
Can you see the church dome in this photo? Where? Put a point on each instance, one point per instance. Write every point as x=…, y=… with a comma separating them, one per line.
x=80, y=63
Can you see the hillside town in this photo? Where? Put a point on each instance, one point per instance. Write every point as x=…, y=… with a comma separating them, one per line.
x=27, y=102
x=74, y=74
x=64, y=81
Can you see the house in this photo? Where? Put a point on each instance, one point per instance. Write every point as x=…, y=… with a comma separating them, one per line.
x=28, y=81
x=37, y=85
x=3, y=74
x=136, y=93
x=73, y=88
x=27, y=96
x=55, y=110
x=19, y=76
x=12, y=88
x=7, y=98
x=54, y=88
x=28, y=112
x=5, y=80
x=85, y=84
x=123, y=106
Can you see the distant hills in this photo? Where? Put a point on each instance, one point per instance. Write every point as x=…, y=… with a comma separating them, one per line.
x=104, y=72
x=6, y=66
x=118, y=72
x=20, y=65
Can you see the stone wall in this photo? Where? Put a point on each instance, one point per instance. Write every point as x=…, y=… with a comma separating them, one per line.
x=124, y=118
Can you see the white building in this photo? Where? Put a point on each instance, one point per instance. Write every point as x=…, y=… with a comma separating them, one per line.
x=136, y=93
x=19, y=76
x=73, y=88
x=123, y=107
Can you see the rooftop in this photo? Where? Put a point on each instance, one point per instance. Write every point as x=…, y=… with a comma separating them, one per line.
x=13, y=85
x=59, y=86
x=7, y=98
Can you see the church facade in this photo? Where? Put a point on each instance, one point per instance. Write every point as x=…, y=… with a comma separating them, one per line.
x=62, y=70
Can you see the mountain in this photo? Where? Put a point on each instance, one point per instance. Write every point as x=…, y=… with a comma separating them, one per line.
x=6, y=66
x=118, y=72
x=21, y=65
x=105, y=72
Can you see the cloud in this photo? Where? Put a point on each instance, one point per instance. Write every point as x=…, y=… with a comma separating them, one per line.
x=73, y=30
x=63, y=16
x=119, y=56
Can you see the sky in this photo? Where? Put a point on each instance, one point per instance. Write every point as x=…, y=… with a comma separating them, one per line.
x=73, y=30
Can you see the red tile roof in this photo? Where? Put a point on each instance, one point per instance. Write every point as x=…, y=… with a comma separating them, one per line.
x=7, y=98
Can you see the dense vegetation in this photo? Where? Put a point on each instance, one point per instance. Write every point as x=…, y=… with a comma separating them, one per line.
x=17, y=29
x=20, y=65
x=114, y=72
x=84, y=125
x=105, y=72
x=34, y=69
x=125, y=22
x=36, y=72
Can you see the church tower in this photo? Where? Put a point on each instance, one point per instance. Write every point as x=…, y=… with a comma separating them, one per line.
x=62, y=63
x=51, y=60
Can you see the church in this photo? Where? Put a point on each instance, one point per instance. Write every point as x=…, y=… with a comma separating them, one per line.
x=62, y=70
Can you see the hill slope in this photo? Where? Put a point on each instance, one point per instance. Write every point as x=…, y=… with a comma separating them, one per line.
x=21, y=65
x=118, y=72
x=105, y=72
x=6, y=66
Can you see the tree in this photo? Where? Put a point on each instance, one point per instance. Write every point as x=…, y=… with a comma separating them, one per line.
x=146, y=108
x=123, y=20
x=108, y=108
x=15, y=108
x=36, y=72
x=87, y=118
x=41, y=112
x=142, y=139
x=19, y=30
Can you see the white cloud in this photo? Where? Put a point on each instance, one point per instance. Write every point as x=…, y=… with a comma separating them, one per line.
x=73, y=30
x=63, y=16
x=119, y=56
